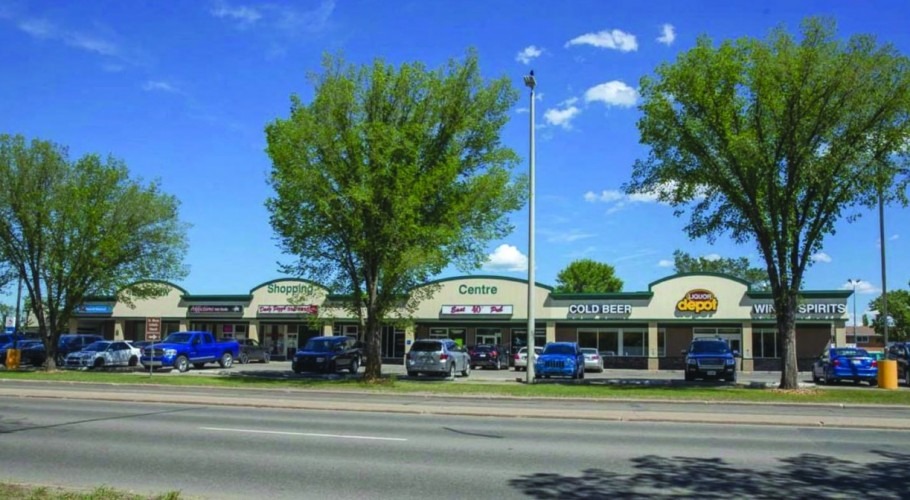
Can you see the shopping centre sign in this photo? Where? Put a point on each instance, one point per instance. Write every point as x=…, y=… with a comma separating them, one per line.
x=698, y=301
x=309, y=309
x=804, y=309
x=596, y=309
x=477, y=309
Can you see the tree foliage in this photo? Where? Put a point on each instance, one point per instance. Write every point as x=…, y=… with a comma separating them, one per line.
x=588, y=276
x=775, y=141
x=389, y=175
x=73, y=229
x=736, y=267
x=898, y=311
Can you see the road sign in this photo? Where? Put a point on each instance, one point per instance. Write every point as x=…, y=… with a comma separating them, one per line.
x=152, y=329
x=10, y=325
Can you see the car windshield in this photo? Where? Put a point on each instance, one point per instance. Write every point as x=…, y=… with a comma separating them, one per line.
x=851, y=353
x=320, y=345
x=426, y=347
x=708, y=347
x=97, y=346
x=179, y=338
x=559, y=349
x=588, y=350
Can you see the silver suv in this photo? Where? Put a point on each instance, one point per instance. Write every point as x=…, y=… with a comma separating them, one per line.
x=437, y=357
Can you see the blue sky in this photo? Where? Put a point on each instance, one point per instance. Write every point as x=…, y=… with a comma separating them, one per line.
x=182, y=90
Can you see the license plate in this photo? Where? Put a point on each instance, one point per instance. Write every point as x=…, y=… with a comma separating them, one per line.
x=320, y=360
x=712, y=372
x=481, y=355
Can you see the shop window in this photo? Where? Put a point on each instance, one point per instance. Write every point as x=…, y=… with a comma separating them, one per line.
x=587, y=338
x=633, y=343
x=439, y=333
x=608, y=343
x=764, y=344
x=862, y=339
x=489, y=336
x=661, y=343
x=520, y=338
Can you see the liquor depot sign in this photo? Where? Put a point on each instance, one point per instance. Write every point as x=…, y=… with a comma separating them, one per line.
x=698, y=301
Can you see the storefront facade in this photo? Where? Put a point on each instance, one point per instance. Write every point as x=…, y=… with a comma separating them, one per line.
x=641, y=330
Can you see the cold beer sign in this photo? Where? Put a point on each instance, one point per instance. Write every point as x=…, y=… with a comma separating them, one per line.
x=698, y=301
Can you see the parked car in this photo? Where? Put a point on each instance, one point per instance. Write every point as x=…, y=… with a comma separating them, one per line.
x=485, y=355
x=521, y=357
x=845, y=363
x=710, y=358
x=900, y=352
x=328, y=354
x=104, y=354
x=441, y=357
x=180, y=349
x=72, y=342
x=561, y=359
x=593, y=361
x=32, y=352
x=251, y=350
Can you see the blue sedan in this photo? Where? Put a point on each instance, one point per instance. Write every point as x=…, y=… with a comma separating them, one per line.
x=845, y=363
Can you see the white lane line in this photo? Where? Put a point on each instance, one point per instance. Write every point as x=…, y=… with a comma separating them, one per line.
x=303, y=434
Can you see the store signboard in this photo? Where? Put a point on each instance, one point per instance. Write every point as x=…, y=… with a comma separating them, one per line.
x=215, y=309
x=309, y=309
x=476, y=310
x=94, y=309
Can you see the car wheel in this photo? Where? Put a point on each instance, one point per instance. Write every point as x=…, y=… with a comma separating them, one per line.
x=296, y=368
x=815, y=379
x=227, y=360
x=266, y=357
x=134, y=361
x=689, y=377
x=829, y=380
x=99, y=363
x=451, y=372
x=467, y=370
x=60, y=360
x=244, y=358
x=354, y=365
x=182, y=364
x=499, y=364
x=582, y=374
x=600, y=370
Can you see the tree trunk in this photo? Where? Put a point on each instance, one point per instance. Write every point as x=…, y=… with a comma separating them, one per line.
x=373, y=371
x=786, y=328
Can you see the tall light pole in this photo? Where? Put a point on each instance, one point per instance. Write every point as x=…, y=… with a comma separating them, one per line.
x=854, y=282
x=530, y=82
x=881, y=236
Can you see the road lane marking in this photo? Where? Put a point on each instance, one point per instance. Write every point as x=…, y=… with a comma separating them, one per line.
x=303, y=434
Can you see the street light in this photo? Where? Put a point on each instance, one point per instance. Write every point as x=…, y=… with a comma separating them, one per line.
x=854, y=282
x=530, y=82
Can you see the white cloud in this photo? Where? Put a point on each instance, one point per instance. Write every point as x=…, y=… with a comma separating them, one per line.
x=821, y=257
x=863, y=287
x=613, y=93
x=668, y=34
x=244, y=15
x=607, y=39
x=506, y=258
x=665, y=263
x=569, y=236
x=894, y=237
x=561, y=117
x=605, y=196
x=159, y=86
x=521, y=111
x=528, y=54
x=712, y=257
x=43, y=29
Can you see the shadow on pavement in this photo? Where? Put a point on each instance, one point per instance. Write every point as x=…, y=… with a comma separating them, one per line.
x=802, y=476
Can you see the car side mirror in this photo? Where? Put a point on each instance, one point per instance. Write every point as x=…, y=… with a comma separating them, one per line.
x=682, y=351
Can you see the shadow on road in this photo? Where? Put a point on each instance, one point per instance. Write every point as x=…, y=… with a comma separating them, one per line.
x=802, y=476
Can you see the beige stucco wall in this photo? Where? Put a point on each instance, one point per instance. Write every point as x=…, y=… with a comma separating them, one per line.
x=166, y=306
x=507, y=292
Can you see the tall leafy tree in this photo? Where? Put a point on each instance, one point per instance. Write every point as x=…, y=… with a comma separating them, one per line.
x=898, y=311
x=387, y=176
x=738, y=267
x=773, y=142
x=588, y=276
x=76, y=228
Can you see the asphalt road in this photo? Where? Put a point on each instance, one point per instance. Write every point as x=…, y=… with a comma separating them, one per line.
x=225, y=452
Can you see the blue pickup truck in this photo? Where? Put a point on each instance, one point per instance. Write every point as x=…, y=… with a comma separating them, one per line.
x=180, y=349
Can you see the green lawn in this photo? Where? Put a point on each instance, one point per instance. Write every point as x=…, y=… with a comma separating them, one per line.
x=10, y=491
x=588, y=389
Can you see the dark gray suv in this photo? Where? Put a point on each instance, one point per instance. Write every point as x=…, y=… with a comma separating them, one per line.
x=440, y=357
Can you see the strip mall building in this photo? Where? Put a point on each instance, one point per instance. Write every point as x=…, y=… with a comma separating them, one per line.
x=643, y=330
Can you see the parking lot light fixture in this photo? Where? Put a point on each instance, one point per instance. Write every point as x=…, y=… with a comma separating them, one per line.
x=531, y=83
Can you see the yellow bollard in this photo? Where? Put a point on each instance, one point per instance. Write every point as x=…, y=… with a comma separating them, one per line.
x=13, y=358
x=887, y=374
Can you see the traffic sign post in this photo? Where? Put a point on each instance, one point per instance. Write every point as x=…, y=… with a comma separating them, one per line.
x=153, y=334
